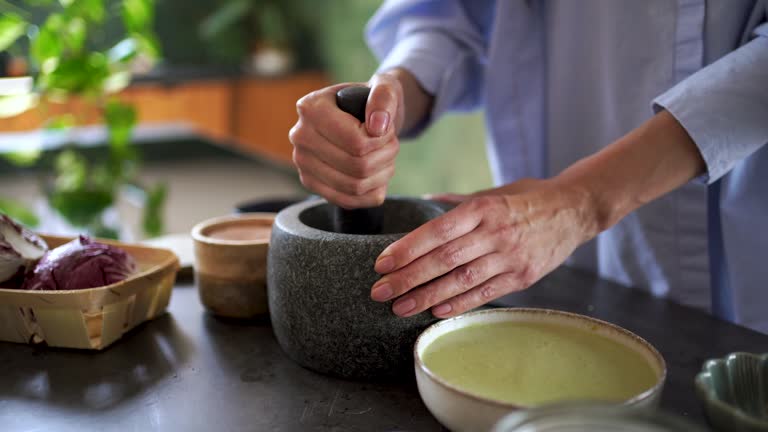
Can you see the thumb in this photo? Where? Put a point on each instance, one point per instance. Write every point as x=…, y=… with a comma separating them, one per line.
x=382, y=104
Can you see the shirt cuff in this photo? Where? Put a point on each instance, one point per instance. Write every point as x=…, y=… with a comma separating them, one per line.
x=724, y=107
x=441, y=66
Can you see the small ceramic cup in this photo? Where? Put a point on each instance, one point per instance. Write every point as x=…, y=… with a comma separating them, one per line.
x=231, y=264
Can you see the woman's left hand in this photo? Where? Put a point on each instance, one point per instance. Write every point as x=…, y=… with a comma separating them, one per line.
x=505, y=239
x=493, y=243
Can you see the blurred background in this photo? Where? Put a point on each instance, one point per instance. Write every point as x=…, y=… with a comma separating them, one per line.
x=137, y=118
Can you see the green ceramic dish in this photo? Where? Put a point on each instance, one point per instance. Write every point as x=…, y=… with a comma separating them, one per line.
x=734, y=391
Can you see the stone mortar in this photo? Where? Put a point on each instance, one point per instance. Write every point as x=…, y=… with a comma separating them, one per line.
x=318, y=288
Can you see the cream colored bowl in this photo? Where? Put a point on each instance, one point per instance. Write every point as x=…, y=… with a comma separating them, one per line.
x=461, y=410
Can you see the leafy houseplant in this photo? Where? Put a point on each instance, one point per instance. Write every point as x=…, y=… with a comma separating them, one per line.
x=71, y=63
x=264, y=33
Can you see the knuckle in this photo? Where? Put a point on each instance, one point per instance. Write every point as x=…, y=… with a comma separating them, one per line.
x=356, y=187
x=387, y=152
x=410, y=252
x=296, y=134
x=505, y=231
x=357, y=147
x=488, y=292
x=390, y=172
x=427, y=296
x=303, y=104
x=467, y=276
x=293, y=133
x=431, y=295
x=451, y=256
x=461, y=304
x=406, y=281
x=444, y=229
x=386, y=93
x=367, y=167
x=422, y=298
x=527, y=275
x=299, y=157
x=362, y=167
x=482, y=203
x=379, y=196
x=345, y=201
x=306, y=181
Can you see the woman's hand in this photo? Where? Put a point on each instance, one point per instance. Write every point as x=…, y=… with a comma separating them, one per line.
x=505, y=239
x=348, y=163
x=495, y=242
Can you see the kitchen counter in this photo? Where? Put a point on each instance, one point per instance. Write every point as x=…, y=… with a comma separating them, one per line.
x=188, y=371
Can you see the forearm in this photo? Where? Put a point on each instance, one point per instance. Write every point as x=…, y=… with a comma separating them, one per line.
x=722, y=108
x=652, y=160
x=417, y=102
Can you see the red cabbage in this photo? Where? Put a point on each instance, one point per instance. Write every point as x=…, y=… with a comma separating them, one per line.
x=79, y=264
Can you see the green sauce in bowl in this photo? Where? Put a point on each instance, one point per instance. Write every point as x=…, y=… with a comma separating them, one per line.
x=533, y=363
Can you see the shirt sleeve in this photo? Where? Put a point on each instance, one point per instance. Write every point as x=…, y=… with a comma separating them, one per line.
x=442, y=43
x=724, y=106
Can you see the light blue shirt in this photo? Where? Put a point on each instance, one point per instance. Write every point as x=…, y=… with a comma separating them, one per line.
x=560, y=80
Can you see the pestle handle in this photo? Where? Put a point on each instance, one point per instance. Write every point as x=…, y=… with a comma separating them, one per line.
x=352, y=100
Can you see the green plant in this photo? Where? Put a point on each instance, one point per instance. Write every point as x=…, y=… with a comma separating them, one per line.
x=235, y=25
x=70, y=60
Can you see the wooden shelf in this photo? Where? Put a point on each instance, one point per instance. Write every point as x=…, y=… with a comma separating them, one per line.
x=250, y=113
x=265, y=110
x=206, y=105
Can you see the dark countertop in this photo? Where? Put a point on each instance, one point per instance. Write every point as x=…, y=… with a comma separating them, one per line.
x=189, y=371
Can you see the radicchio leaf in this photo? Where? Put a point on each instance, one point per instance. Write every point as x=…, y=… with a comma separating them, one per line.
x=79, y=264
x=20, y=248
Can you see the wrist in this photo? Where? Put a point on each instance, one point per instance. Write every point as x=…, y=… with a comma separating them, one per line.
x=648, y=162
x=589, y=210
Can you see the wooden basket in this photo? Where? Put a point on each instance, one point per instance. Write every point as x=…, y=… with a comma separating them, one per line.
x=91, y=318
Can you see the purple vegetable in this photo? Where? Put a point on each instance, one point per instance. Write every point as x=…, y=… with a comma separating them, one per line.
x=20, y=248
x=81, y=263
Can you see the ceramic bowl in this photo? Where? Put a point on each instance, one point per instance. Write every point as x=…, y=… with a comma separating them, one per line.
x=593, y=417
x=231, y=264
x=734, y=391
x=461, y=410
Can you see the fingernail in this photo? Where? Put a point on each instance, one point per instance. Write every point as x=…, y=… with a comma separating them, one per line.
x=381, y=292
x=378, y=122
x=384, y=265
x=402, y=307
x=442, y=309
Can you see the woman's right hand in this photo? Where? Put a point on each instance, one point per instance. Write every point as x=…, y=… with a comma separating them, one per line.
x=348, y=163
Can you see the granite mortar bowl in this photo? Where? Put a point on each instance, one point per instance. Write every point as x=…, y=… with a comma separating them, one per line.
x=318, y=288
